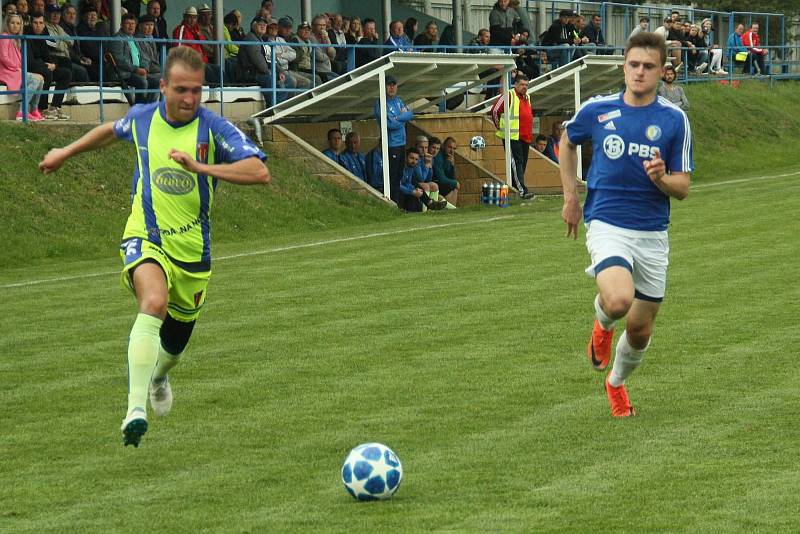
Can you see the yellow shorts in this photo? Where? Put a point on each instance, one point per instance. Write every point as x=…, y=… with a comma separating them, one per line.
x=187, y=290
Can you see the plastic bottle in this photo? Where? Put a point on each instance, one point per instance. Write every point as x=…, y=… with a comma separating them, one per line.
x=485, y=193
x=504, y=196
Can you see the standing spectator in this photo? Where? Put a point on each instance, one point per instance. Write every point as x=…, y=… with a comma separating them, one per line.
x=520, y=128
x=155, y=10
x=147, y=47
x=502, y=22
x=644, y=24
x=444, y=170
x=255, y=63
x=374, y=162
x=11, y=69
x=756, y=54
x=61, y=49
x=206, y=28
x=594, y=33
x=410, y=28
x=413, y=194
x=132, y=63
x=334, y=144
x=736, y=49
x=90, y=27
x=370, y=49
x=559, y=34
x=524, y=23
x=715, y=52
x=551, y=150
x=397, y=38
x=352, y=158
x=323, y=55
x=397, y=115
x=672, y=92
x=68, y=23
x=337, y=36
x=427, y=39
x=42, y=63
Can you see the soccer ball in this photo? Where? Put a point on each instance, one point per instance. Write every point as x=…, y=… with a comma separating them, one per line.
x=372, y=471
x=477, y=143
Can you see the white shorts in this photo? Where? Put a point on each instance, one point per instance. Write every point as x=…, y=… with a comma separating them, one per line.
x=644, y=254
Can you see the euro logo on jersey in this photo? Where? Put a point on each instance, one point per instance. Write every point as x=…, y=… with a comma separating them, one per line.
x=202, y=152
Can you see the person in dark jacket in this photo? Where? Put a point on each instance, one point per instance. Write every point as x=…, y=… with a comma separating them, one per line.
x=365, y=54
x=594, y=33
x=133, y=63
x=41, y=62
x=502, y=22
x=90, y=27
x=68, y=22
x=156, y=10
x=559, y=34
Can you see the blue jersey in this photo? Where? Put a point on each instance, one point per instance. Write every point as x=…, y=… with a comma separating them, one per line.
x=623, y=138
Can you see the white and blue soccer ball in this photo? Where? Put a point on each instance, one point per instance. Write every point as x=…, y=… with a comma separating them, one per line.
x=477, y=143
x=372, y=471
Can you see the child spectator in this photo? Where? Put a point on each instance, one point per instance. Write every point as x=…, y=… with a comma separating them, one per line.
x=11, y=69
x=670, y=91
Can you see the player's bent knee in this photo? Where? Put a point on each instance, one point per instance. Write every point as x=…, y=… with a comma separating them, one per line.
x=617, y=305
x=154, y=304
x=175, y=335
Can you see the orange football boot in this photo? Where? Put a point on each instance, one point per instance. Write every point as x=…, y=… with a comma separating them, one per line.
x=619, y=401
x=599, y=349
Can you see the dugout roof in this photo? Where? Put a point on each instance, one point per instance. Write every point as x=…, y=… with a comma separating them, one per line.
x=419, y=75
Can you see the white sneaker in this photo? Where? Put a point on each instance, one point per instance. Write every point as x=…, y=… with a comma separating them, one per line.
x=161, y=397
x=722, y=72
x=133, y=427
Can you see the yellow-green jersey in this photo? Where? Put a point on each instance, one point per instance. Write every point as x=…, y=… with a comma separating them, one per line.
x=170, y=207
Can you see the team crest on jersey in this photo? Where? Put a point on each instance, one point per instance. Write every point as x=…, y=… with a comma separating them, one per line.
x=202, y=152
x=610, y=115
x=653, y=132
x=613, y=146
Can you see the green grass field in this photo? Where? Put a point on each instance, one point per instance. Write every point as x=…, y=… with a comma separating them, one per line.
x=459, y=341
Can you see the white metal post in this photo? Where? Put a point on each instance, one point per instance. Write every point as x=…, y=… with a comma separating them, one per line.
x=384, y=133
x=577, y=105
x=507, y=125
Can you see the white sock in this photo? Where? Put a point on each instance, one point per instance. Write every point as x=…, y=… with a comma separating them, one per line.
x=166, y=361
x=626, y=360
x=605, y=321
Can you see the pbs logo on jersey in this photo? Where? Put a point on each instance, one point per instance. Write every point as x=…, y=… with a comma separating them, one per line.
x=614, y=148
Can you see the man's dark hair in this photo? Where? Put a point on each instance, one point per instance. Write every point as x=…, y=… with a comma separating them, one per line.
x=367, y=21
x=412, y=151
x=128, y=16
x=540, y=137
x=521, y=77
x=434, y=141
x=333, y=130
x=230, y=18
x=36, y=15
x=151, y=2
x=648, y=40
x=644, y=19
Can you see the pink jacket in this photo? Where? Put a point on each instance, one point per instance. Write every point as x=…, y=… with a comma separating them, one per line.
x=10, y=64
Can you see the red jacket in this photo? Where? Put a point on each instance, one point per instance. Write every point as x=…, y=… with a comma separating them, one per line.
x=525, y=116
x=752, y=42
x=183, y=31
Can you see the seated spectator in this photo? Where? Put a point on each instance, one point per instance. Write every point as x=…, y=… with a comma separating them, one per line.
x=61, y=49
x=354, y=32
x=11, y=69
x=68, y=23
x=370, y=49
x=425, y=164
x=434, y=146
x=337, y=36
x=325, y=56
x=156, y=10
x=502, y=23
x=374, y=162
x=425, y=41
x=670, y=91
x=397, y=38
x=644, y=24
x=413, y=196
x=756, y=54
x=287, y=55
x=334, y=144
x=480, y=45
x=204, y=24
x=593, y=33
x=237, y=32
x=190, y=31
x=9, y=8
x=303, y=63
x=410, y=28
x=90, y=27
x=147, y=47
x=697, y=53
x=559, y=34
x=714, y=51
x=673, y=40
x=132, y=63
x=352, y=158
x=447, y=40
x=551, y=151
x=41, y=62
x=229, y=24
x=581, y=43
x=444, y=170
x=540, y=144
x=23, y=10
x=527, y=59
x=256, y=65
x=736, y=50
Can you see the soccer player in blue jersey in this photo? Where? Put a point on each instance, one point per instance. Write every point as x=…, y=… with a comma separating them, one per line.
x=182, y=150
x=642, y=157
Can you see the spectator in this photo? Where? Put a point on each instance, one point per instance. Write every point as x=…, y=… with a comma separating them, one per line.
x=675, y=17
x=11, y=69
x=9, y=8
x=147, y=47
x=61, y=49
x=334, y=145
x=69, y=17
x=527, y=59
x=672, y=92
x=434, y=146
x=429, y=38
x=444, y=170
x=36, y=6
x=540, y=144
x=424, y=174
x=413, y=194
x=738, y=53
x=255, y=63
x=337, y=36
x=285, y=54
x=397, y=38
x=354, y=32
x=524, y=23
x=644, y=24
x=397, y=115
x=230, y=23
x=154, y=9
x=673, y=41
x=715, y=52
x=374, y=162
x=204, y=24
x=480, y=45
x=266, y=9
x=594, y=34
x=352, y=158
x=447, y=39
x=132, y=63
x=502, y=22
x=698, y=54
x=551, y=151
x=237, y=32
x=410, y=28
x=520, y=128
x=559, y=34
x=365, y=54
x=189, y=30
x=303, y=62
x=755, y=54
x=90, y=27
x=24, y=12
x=581, y=43
x=42, y=63
x=323, y=55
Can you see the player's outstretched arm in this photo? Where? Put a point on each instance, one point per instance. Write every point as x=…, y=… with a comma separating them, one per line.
x=674, y=184
x=568, y=163
x=95, y=138
x=243, y=172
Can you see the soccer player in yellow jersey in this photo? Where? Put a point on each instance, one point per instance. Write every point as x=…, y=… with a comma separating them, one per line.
x=182, y=150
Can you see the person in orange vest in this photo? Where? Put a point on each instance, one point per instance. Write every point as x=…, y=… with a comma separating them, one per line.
x=520, y=128
x=552, y=142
